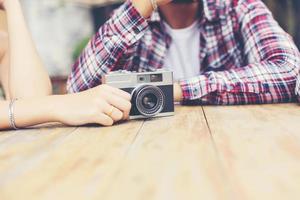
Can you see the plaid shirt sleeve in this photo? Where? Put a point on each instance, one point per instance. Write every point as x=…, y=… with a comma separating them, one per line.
x=103, y=51
x=271, y=75
x=298, y=87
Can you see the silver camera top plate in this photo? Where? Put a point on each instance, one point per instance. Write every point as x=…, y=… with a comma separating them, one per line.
x=127, y=79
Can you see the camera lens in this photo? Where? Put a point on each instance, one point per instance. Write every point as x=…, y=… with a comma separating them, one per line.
x=149, y=100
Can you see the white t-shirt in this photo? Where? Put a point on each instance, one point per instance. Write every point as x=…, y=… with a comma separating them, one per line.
x=183, y=55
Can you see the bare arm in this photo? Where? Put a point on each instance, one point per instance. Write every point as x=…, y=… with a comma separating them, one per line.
x=29, y=82
x=25, y=115
x=102, y=105
x=4, y=63
x=27, y=75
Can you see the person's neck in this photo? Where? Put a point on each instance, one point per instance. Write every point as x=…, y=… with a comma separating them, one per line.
x=180, y=16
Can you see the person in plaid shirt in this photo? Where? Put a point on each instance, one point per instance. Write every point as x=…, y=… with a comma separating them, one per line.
x=244, y=55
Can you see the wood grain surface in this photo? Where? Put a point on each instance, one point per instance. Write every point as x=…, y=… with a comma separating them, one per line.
x=209, y=152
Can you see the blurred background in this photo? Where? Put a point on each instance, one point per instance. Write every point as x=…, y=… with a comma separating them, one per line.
x=61, y=28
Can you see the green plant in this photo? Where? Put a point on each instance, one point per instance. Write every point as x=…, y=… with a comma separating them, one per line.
x=79, y=47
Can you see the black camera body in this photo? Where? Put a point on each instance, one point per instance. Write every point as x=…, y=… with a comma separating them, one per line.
x=152, y=92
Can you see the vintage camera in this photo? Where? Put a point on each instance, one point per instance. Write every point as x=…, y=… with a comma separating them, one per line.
x=151, y=92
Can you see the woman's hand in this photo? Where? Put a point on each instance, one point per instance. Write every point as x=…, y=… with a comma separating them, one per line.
x=163, y=2
x=102, y=105
x=2, y=4
x=178, y=95
x=145, y=7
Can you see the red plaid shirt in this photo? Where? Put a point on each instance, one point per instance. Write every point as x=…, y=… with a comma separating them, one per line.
x=245, y=56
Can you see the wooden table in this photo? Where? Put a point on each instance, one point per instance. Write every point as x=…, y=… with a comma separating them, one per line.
x=210, y=152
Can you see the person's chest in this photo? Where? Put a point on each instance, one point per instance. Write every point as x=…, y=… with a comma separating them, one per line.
x=221, y=47
x=183, y=52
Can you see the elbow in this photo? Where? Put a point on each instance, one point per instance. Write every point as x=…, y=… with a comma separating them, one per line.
x=290, y=61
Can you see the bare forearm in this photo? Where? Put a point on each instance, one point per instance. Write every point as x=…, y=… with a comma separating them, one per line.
x=91, y=106
x=4, y=61
x=30, y=112
x=27, y=77
x=4, y=122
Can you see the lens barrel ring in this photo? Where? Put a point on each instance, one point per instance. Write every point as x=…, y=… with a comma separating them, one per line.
x=144, y=91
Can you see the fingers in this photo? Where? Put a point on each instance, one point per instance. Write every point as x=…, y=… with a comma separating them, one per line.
x=115, y=103
x=116, y=114
x=118, y=92
x=126, y=115
x=119, y=102
x=104, y=120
